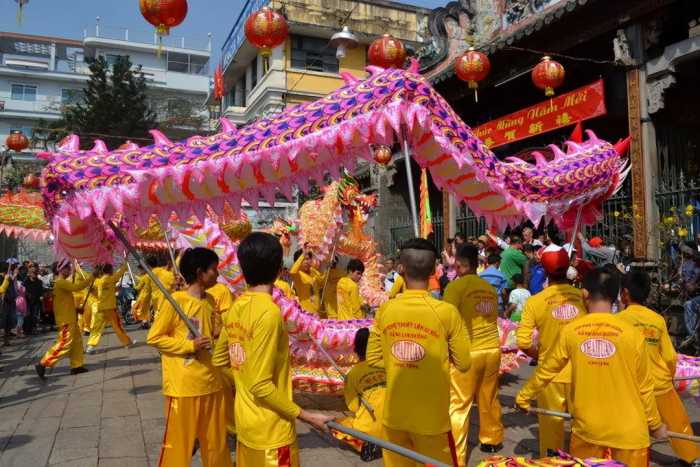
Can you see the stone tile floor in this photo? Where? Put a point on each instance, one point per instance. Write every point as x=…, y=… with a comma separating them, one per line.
x=113, y=415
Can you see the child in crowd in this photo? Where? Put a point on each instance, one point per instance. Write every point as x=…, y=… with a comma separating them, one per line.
x=368, y=383
x=195, y=407
x=477, y=303
x=253, y=350
x=415, y=338
x=548, y=312
x=349, y=303
x=612, y=388
x=636, y=286
x=516, y=300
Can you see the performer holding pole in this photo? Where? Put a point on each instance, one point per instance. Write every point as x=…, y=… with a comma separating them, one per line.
x=477, y=303
x=612, y=388
x=548, y=312
x=253, y=350
x=636, y=286
x=415, y=338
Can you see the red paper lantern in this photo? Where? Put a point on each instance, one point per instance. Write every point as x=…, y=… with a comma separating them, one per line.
x=548, y=75
x=472, y=66
x=382, y=155
x=31, y=181
x=387, y=52
x=164, y=14
x=17, y=141
x=266, y=29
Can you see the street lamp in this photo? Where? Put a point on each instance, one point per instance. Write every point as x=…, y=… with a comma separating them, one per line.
x=342, y=41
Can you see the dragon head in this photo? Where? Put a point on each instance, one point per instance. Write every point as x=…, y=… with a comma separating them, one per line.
x=352, y=199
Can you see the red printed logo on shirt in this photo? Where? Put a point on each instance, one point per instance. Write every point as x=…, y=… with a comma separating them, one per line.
x=598, y=348
x=237, y=354
x=565, y=312
x=408, y=351
x=485, y=308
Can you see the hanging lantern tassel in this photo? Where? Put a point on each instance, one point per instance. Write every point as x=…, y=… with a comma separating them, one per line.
x=475, y=86
x=472, y=67
x=266, y=29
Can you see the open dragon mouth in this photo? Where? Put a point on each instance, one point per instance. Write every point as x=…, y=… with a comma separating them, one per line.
x=85, y=190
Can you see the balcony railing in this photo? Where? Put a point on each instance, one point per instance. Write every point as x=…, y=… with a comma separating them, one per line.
x=141, y=36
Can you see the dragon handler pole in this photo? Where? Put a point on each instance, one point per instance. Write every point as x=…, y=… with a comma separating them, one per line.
x=409, y=180
x=137, y=256
x=386, y=445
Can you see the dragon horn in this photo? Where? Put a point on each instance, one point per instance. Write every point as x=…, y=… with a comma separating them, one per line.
x=623, y=146
x=572, y=147
x=558, y=153
x=100, y=147
x=413, y=66
x=540, y=160
x=70, y=143
x=592, y=136
x=160, y=139
x=348, y=77
x=226, y=125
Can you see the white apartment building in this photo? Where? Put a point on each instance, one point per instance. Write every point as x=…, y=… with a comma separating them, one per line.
x=39, y=75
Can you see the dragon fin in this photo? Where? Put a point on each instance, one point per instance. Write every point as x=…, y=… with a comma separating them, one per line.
x=160, y=139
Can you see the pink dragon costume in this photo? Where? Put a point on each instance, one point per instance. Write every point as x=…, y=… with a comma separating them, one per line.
x=84, y=190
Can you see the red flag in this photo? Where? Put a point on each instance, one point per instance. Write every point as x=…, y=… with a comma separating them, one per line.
x=577, y=134
x=218, y=83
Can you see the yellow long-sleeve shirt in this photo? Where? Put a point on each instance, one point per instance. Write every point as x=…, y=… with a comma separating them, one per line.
x=330, y=295
x=612, y=388
x=349, y=303
x=223, y=299
x=398, y=287
x=662, y=355
x=106, y=287
x=477, y=302
x=549, y=311
x=285, y=288
x=63, y=302
x=370, y=383
x=5, y=284
x=186, y=373
x=167, y=278
x=144, y=287
x=254, y=343
x=415, y=338
x=307, y=286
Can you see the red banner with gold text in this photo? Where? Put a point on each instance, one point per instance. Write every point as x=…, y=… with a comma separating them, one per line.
x=552, y=114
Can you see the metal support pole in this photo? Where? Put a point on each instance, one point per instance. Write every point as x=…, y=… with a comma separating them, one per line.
x=170, y=250
x=420, y=458
x=137, y=256
x=411, y=188
x=342, y=375
x=328, y=273
x=577, y=224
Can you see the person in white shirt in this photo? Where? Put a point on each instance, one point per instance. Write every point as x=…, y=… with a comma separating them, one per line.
x=391, y=274
x=517, y=298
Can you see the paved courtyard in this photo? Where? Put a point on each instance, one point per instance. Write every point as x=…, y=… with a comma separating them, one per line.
x=113, y=415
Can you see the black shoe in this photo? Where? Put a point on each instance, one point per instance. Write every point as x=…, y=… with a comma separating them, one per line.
x=491, y=448
x=86, y=334
x=78, y=370
x=370, y=452
x=40, y=370
x=195, y=448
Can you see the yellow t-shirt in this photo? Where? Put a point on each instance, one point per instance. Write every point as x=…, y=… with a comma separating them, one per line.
x=307, y=286
x=63, y=302
x=106, y=287
x=477, y=302
x=612, y=388
x=398, y=287
x=370, y=383
x=549, y=311
x=662, y=355
x=330, y=295
x=185, y=373
x=168, y=280
x=255, y=345
x=415, y=338
x=223, y=299
x=349, y=303
x=285, y=288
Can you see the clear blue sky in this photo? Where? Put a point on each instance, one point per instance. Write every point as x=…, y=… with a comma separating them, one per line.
x=68, y=18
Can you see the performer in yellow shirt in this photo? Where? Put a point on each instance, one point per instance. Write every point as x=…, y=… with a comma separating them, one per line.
x=143, y=306
x=612, y=403
x=88, y=298
x=549, y=311
x=477, y=303
x=330, y=292
x=415, y=338
x=191, y=384
x=636, y=286
x=69, y=341
x=307, y=281
x=349, y=303
x=398, y=287
x=107, y=308
x=368, y=383
x=285, y=288
x=167, y=278
x=253, y=349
